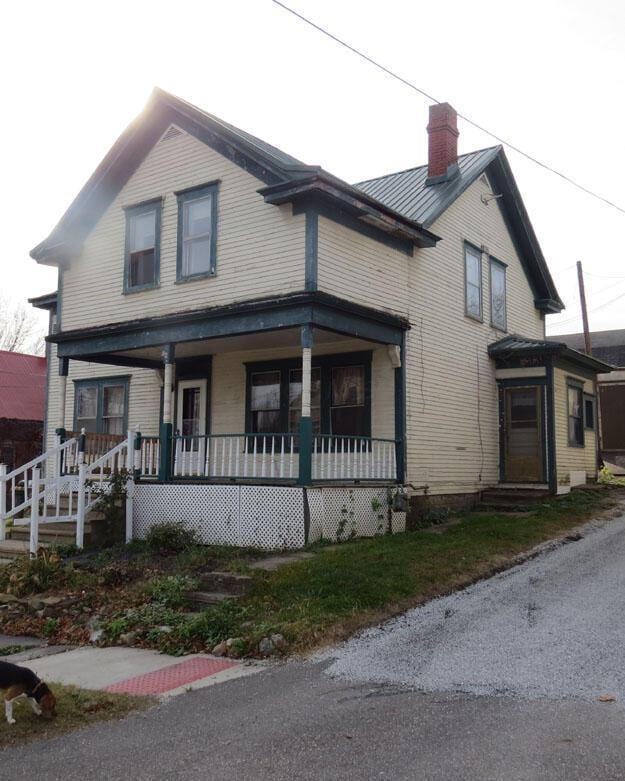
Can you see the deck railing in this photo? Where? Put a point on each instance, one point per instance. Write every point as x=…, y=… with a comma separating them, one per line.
x=276, y=457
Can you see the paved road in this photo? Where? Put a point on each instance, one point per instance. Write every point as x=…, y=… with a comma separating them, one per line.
x=297, y=722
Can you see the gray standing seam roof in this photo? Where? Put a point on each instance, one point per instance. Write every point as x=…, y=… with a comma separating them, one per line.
x=407, y=193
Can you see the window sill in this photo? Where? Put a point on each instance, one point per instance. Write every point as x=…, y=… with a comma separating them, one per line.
x=128, y=291
x=474, y=318
x=499, y=328
x=195, y=277
x=576, y=445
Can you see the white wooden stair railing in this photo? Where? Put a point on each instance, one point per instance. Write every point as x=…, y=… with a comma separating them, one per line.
x=56, y=496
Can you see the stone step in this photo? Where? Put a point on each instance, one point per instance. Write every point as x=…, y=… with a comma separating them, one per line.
x=205, y=598
x=16, y=549
x=226, y=582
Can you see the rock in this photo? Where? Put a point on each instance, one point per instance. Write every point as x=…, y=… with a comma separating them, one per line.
x=266, y=646
x=96, y=635
x=235, y=646
x=128, y=638
x=52, y=601
x=166, y=630
x=8, y=599
x=278, y=641
x=221, y=649
x=606, y=698
x=34, y=604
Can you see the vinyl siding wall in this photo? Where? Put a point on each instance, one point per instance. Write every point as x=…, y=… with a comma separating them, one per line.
x=452, y=404
x=260, y=248
x=572, y=458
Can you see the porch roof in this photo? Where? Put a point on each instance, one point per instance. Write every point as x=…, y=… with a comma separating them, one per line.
x=317, y=309
x=519, y=346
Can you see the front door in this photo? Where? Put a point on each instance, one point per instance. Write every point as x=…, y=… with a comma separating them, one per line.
x=523, y=435
x=190, y=427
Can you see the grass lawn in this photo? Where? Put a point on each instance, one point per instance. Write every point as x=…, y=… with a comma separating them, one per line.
x=76, y=708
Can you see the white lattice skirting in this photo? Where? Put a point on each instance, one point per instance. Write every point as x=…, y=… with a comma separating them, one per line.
x=269, y=517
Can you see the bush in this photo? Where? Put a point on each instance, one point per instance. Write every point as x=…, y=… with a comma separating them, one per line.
x=31, y=576
x=170, y=591
x=171, y=537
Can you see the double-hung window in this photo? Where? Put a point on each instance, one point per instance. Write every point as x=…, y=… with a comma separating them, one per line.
x=197, y=232
x=143, y=228
x=101, y=406
x=575, y=408
x=472, y=282
x=589, y=412
x=497, y=294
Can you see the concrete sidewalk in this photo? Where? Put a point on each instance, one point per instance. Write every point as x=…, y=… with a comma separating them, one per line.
x=136, y=670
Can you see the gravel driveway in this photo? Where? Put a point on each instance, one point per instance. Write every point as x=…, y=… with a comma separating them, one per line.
x=552, y=627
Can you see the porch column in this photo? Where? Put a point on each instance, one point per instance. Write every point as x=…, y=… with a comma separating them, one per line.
x=305, y=423
x=165, y=465
x=63, y=372
x=397, y=355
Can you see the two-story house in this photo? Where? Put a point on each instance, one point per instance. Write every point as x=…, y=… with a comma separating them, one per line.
x=289, y=345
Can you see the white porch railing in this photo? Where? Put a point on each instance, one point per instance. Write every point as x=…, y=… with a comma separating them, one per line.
x=341, y=458
x=48, y=490
x=237, y=456
x=276, y=457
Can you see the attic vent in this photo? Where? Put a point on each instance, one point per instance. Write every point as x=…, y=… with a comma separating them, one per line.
x=171, y=133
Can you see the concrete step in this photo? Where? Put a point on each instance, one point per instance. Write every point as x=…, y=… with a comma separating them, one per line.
x=207, y=598
x=508, y=497
x=226, y=582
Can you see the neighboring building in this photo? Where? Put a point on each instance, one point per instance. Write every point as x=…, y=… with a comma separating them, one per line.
x=22, y=406
x=264, y=322
x=608, y=346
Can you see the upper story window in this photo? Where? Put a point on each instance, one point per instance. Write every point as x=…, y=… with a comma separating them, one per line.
x=498, y=315
x=143, y=228
x=472, y=282
x=197, y=232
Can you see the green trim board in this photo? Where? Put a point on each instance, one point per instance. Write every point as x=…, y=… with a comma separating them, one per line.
x=323, y=362
x=100, y=383
x=552, y=454
x=145, y=207
x=315, y=309
x=525, y=382
x=311, y=249
x=184, y=197
x=400, y=414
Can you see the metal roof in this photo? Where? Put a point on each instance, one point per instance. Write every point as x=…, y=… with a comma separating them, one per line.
x=407, y=193
x=521, y=344
x=22, y=386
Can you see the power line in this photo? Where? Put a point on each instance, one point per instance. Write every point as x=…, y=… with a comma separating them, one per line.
x=591, y=311
x=425, y=94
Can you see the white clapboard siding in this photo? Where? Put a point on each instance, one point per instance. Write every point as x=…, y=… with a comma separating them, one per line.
x=568, y=459
x=260, y=248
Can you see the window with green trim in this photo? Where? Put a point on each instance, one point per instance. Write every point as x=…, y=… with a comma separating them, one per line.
x=143, y=227
x=575, y=415
x=589, y=412
x=497, y=294
x=472, y=282
x=101, y=406
x=197, y=232
x=340, y=395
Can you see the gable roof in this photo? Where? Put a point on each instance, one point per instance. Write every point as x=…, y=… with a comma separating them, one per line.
x=607, y=345
x=262, y=160
x=22, y=386
x=513, y=344
x=408, y=193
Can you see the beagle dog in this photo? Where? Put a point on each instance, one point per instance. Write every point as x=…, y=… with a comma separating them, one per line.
x=18, y=682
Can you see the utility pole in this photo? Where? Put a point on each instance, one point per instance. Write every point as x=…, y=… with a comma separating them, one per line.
x=582, y=298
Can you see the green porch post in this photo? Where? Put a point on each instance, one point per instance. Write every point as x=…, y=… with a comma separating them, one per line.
x=398, y=361
x=305, y=423
x=166, y=429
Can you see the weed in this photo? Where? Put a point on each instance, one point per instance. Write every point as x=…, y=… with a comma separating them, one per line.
x=171, y=590
x=174, y=537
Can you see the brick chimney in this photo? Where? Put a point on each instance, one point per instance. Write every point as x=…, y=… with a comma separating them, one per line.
x=442, y=143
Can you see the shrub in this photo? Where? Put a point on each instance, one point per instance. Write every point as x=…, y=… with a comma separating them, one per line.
x=30, y=576
x=171, y=537
x=170, y=591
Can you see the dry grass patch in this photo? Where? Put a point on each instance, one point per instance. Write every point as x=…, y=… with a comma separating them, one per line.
x=76, y=708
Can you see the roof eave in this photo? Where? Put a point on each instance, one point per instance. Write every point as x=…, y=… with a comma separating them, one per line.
x=362, y=206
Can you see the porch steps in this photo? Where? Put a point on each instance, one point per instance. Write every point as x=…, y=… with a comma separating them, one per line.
x=15, y=549
x=218, y=587
x=512, y=498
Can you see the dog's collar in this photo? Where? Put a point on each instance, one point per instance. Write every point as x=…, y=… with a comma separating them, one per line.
x=39, y=685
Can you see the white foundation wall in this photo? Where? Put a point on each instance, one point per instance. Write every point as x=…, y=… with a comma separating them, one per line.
x=452, y=402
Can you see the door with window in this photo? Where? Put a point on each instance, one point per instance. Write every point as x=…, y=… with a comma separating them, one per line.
x=191, y=426
x=523, y=420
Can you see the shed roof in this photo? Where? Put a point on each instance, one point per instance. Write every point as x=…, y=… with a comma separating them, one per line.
x=22, y=386
x=522, y=345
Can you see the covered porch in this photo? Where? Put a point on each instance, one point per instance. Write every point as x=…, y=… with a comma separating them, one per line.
x=303, y=390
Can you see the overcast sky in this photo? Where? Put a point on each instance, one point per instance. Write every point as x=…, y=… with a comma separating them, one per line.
x=548, y=75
